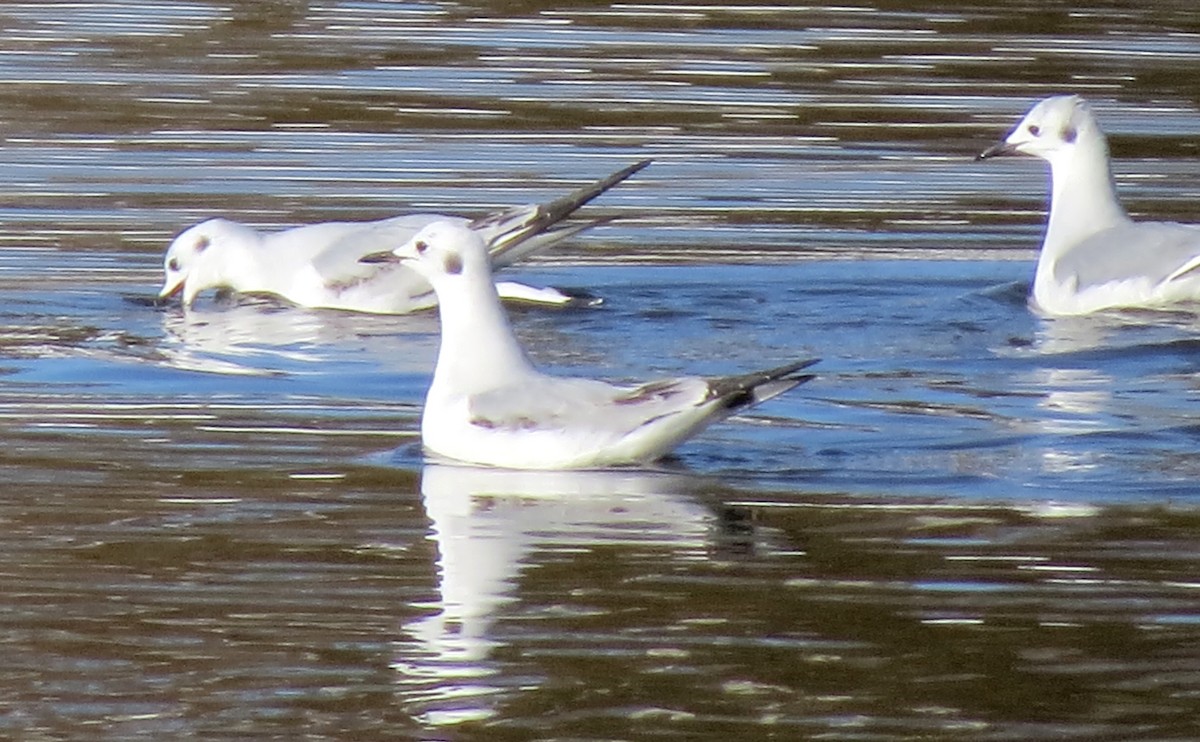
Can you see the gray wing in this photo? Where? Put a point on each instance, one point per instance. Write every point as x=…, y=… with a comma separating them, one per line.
x=345, y=243
x=1158, y=251
x=585, y=406
x=510, y=234
x=335, y=252
x=591, y=407
x=342, y=245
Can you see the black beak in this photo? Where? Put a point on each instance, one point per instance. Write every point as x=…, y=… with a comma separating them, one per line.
x=1001, y=149
x=385, y=256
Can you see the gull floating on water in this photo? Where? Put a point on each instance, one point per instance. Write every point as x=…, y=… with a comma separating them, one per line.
x=488, y=405
x=1094, y=256
x=319, y=265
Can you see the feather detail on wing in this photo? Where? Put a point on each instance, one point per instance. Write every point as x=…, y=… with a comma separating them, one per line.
x=566, y=404
x=580, y=405
x=747, y=390
x=338, y=263
x=1159, y=252
x=523, y=230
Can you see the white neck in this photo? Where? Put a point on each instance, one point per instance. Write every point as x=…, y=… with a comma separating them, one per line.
x=1083, y=197
x=478, y=350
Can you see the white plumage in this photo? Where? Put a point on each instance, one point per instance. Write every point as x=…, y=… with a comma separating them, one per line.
x=1094, y=256
x=320, y=265
x=488, y=405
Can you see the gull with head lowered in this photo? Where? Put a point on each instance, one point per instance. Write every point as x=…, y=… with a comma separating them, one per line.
x=488, y=405
x=319, y=265
x=1093, y=256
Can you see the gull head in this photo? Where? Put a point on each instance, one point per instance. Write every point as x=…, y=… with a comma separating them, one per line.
x=445, y=251
x=192, y=263
x=1055, y=130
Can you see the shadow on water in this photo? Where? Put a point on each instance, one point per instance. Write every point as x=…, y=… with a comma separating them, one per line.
x=977, y=523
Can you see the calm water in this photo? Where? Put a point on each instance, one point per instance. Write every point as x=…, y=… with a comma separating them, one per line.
x=976, y=524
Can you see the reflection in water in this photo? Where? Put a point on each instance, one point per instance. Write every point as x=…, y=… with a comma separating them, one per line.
x=1073, y=334
x=259, y=338
x=779, y=132
x=485, y=523
x=1075, y=402
x=1115, y=331
x=1075, y=398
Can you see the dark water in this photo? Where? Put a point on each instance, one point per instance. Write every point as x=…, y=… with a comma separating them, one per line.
x=976, y=524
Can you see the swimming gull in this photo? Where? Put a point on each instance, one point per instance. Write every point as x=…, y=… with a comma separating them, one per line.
x=488, y=405
x=1093, y=256
x=319, y=265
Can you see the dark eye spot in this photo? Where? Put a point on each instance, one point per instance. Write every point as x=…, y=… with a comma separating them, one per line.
x=421, y=247
x=1035, y=130
x=202, y=244
x=173, y=264
x=453, y=264
x=1070, y=134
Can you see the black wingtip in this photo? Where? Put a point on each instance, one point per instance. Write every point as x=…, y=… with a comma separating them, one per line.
x=561, y=208
x=739, y=389
x=788, y=369
x=515, y=226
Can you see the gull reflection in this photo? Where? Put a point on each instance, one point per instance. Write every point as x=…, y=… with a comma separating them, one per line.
x=1103, y=384
x=1074, y=334
x=261, y=339
x=1075, y=402
x=1076, y=399
x=1127, y=330
x=488, y=525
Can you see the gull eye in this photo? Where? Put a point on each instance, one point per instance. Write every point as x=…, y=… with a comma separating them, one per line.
x=1070, y=134
x=1035, y=130
x=421, y=247
x=173, y=265
x=202, y=244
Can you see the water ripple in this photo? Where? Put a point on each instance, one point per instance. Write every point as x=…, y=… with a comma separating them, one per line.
x=974, y=523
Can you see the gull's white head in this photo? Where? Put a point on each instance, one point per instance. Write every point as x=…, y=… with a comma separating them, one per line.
x=1057, y=129
x=445, y=251
x=193, y=261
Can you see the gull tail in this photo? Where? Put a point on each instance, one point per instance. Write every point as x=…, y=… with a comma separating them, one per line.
x=746, y=390
x=515, y=233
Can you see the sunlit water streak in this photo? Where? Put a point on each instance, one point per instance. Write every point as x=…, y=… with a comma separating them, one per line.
x=974, y=524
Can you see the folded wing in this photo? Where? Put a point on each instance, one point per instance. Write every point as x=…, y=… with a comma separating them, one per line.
x=595, y=413
x=1157, y=252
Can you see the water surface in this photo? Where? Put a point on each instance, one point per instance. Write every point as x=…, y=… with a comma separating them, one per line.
x=976, y=524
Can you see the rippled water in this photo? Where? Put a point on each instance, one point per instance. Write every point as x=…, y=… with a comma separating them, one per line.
x=976, y=524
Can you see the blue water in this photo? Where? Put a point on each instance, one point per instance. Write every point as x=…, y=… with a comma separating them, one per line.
x=975, y=523
x=935, y=378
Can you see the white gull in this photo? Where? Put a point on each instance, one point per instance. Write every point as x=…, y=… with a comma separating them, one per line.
x=1093, y=256
x=319, y=265
x=488, y=405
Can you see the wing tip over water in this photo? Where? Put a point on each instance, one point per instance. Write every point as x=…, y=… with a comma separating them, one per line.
x=561, y=208
x=746, y=390
x=507, y=229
